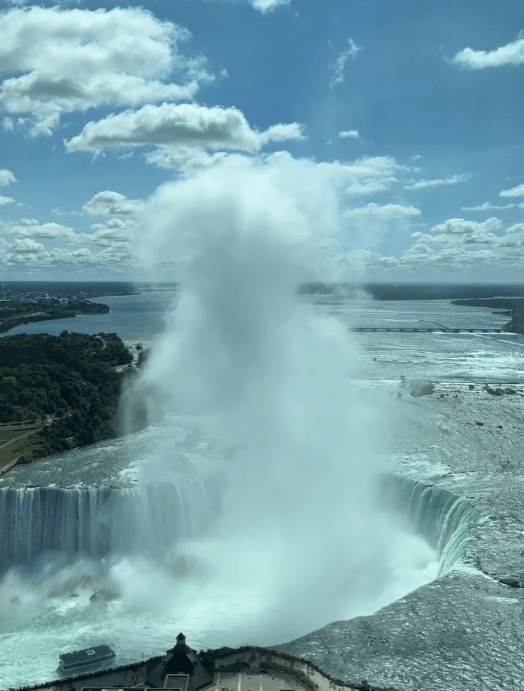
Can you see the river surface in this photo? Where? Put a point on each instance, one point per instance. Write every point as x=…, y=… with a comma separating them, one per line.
x=460, y=438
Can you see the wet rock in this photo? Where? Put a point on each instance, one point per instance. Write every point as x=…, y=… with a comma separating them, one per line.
x=103, y=595
x=422, y=388
x=494, y=392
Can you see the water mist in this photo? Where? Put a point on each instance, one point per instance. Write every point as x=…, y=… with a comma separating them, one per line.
x=253, y=364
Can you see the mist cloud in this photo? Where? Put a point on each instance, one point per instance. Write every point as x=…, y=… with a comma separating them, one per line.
x=269, y=375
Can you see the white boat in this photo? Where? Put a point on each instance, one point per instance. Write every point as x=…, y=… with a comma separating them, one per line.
x=80, y=660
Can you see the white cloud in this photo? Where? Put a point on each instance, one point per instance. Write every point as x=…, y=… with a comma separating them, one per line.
x=36, y=244
x=184, y=157
x=25, y=247
x=185, y=125
x=458, y=247
x=422, y=184
x=370, y=186
x=6, y=200
x=339, y=65
x=510, y=54
x=462, y=226
x=517, y=191
x=31, y=228
x=487, y=206
x=349, y=134
x=385, y=211
x=109, y=203
x=268, y=5
x=76, y=59
x=281, y=133
x=6, y=178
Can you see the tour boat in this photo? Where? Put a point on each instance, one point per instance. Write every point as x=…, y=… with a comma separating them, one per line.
x=79, y=660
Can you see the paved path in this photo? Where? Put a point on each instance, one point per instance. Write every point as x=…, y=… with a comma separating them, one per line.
x=10, y=441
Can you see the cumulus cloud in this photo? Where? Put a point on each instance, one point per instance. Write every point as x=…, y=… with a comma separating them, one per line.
x=349, y=134
x=436, y=182
x=461, y=226
x=280, y=133
x=6, y=200
x=370, y=186
x=185, y=124
x=6, y=178
x=487, y=206
x=31, y=228
x=268, y=5
x=458, y=247
x=365, y=175
x=46, y=245
x=75, y=59
x=385, y=211
x=338, y=67
x=109, y=203
x=510, y=54
x=517, y=191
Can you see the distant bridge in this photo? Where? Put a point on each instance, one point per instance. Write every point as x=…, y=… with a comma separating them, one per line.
x=436, y=329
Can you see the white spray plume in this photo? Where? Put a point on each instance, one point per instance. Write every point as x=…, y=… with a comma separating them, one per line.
x=275, y=379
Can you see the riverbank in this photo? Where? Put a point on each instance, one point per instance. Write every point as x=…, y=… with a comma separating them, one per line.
x=68, y=386
x=73, y=308
x=515, y=306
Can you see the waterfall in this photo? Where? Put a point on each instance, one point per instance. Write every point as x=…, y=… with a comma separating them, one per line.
x=100, y=521
x=442, y=518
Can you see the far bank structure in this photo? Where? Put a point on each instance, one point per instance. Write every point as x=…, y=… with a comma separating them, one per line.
x=225, y=669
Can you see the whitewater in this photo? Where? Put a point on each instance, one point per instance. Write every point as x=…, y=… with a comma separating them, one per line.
x=46, y=609
x=289, y=483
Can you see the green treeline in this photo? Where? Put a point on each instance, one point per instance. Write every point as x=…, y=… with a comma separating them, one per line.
x=68, y=383
x=514, y=305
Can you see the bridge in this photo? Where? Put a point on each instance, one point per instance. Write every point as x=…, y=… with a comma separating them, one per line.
x=436, y=329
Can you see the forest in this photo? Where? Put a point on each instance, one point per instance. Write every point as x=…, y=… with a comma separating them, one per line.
x=68, y=386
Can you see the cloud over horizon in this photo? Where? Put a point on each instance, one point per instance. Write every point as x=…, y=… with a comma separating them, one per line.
x=509, y=54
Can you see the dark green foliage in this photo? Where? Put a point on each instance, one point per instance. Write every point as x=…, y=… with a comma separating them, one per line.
x=69, y=381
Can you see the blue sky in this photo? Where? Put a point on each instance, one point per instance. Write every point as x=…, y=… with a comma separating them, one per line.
x=407, y=119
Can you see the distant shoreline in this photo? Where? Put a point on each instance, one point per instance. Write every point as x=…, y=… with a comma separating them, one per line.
x=80, y=308
x=13, y=322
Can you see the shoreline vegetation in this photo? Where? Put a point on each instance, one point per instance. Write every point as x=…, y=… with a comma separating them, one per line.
x=24, y=302
x=73, y=308
x=513, y=306
x=64, y=390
